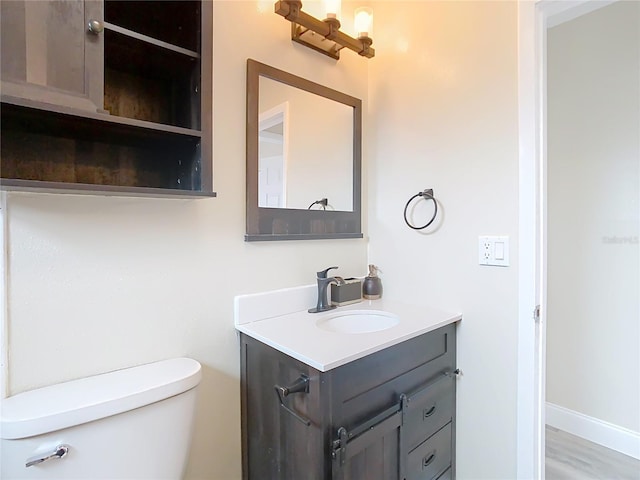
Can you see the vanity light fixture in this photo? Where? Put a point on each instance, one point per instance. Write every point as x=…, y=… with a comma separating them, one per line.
x=324, y=36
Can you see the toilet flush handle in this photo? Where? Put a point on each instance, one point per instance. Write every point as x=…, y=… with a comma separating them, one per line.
x=59, y=452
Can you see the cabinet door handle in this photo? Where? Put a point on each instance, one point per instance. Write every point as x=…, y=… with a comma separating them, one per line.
x=95, y=26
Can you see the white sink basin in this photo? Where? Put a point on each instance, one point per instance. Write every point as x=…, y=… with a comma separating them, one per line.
x=358, y=321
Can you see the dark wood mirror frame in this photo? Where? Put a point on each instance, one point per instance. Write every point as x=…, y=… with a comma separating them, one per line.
x=268, y=224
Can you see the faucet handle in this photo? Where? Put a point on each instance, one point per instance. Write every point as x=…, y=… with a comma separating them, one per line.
x=328, y=280
x=323, y=273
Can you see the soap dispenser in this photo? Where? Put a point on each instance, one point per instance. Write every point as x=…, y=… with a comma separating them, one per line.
x=372, y=285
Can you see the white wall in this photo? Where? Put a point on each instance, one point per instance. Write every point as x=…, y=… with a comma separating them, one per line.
x=102, y=283
x=593, y=330
x=444, y=115
x=97, y=283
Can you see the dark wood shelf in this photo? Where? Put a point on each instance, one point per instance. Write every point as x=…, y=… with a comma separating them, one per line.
x=99, y=117
x=93, y=189
x=153, y=41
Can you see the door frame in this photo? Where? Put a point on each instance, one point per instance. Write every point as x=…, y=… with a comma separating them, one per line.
x=4, y=297
x=267, y=119
x=534, y=17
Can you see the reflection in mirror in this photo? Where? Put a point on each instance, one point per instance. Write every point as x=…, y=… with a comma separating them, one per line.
x=272, y=156
x=304, y=144
x=305, y=149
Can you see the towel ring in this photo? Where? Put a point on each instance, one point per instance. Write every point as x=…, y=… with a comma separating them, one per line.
x=427, y=195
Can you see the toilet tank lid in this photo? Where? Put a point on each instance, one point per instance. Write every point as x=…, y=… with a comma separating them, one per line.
x=87, y=399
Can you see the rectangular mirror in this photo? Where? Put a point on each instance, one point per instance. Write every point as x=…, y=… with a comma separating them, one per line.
x=303, y=158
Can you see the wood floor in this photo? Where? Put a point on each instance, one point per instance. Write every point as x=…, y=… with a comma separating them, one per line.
x=572, y=458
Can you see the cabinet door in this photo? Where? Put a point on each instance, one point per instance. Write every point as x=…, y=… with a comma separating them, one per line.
x=48, y=54
x=370, y=455
x=281, y=441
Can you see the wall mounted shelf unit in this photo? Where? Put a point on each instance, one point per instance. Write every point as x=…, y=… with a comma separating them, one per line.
x=116, y=101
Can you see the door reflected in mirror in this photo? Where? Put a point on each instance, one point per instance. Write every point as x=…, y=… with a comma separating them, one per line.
x=273, y=156
x=305, y=149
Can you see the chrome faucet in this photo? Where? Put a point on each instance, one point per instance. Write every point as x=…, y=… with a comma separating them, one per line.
x=323, y=304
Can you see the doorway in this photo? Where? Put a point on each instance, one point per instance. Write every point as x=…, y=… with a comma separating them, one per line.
x=534, y=19
x=592, y=225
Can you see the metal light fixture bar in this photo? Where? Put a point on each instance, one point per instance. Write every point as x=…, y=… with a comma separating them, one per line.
x=324, y=36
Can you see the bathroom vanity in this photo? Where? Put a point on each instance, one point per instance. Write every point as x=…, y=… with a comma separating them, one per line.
x=326, y=397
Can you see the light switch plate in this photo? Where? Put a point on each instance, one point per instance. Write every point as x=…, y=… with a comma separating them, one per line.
x=493, y=251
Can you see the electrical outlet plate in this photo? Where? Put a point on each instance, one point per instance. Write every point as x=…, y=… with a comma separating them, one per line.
x=493, y=251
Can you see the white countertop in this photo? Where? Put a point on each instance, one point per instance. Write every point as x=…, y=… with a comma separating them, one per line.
x=298, y=335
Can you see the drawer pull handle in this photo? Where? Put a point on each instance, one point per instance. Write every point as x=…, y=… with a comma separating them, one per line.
x=427, y=413
x=426, y=461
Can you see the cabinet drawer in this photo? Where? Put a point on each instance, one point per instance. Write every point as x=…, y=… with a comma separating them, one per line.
x=447, y=475
x=373, y=383
x=428, y=410
x=431, y=458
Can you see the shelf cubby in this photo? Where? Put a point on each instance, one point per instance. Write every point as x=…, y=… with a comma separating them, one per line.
x=148, y=82
x=177, y=21
x=51, y=146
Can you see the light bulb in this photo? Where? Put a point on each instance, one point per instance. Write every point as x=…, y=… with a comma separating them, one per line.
x=363, y=20
x=332, y=8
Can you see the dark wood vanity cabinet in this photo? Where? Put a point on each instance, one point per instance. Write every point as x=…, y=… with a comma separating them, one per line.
x=106, y=96
x=389, y=415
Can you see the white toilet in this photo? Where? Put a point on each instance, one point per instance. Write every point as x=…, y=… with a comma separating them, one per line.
x=130, y=424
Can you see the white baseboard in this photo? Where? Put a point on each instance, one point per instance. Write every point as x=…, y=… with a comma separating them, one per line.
x=597, y=431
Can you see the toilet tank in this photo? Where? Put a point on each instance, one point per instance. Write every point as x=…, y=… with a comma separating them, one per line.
x=131, y=424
